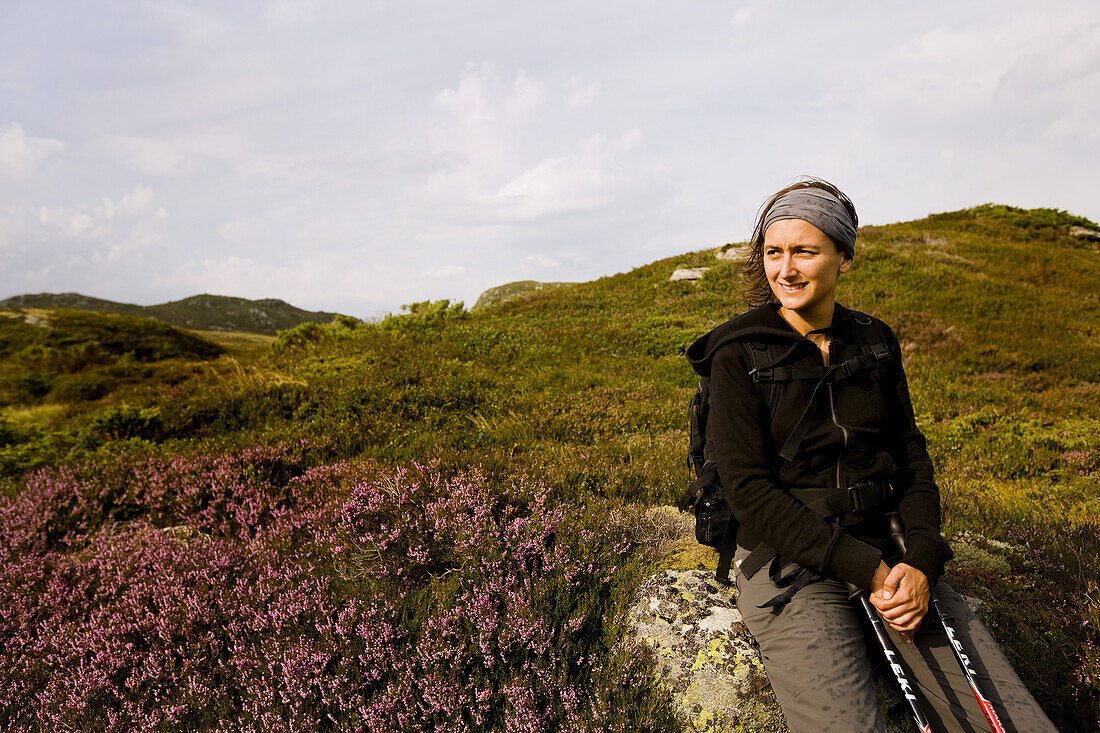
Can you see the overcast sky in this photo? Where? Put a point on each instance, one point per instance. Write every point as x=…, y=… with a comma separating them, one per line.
x=354, y=156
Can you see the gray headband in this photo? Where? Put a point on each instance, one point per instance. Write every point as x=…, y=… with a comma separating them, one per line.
x=820, y=208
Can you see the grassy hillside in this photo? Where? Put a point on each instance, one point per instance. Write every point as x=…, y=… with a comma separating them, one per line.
x=200, y=312
x=482, y=472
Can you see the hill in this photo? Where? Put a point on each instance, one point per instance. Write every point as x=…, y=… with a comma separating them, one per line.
x=70, y=357
x=441, y=518
x=199, y=312
x=513, y=291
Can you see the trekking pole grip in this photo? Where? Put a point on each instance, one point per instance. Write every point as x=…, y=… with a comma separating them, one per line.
x=897, y=530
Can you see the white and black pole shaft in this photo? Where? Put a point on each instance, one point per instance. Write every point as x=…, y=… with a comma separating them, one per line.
x=897, y=531
x=892, y=658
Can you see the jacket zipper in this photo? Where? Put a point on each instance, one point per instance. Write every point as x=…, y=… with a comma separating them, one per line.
x=843, y=432
x=832, y=412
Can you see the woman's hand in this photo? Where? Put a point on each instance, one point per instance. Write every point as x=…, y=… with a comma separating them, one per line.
x=901, y=595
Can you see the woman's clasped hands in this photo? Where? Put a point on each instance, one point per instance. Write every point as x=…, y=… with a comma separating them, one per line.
x=901, y=594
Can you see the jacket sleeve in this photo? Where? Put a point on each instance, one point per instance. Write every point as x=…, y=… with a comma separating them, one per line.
x=925, y=549
x=748, y=460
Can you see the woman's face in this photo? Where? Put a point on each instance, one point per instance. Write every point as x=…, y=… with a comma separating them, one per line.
x=802, y=265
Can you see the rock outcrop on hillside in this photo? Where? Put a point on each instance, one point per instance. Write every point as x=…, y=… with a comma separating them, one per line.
x=514, y=291
x=708, y=658
x=688, y=273
x=732, y=252
x=1091, y=235
x=704, y=652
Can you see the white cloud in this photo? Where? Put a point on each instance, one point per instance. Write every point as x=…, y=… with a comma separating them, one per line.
x=113, y=229
x=481, y=97
x=581, y=94
x=20, y=153
x=502, y=162
x=555, y=186
x=446, y=271
x=70, y=223
x=133, y=201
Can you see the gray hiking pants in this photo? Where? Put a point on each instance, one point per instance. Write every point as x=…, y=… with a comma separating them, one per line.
x=816, y=656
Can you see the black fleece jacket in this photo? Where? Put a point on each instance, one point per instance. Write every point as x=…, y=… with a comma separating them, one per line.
x=861, y=429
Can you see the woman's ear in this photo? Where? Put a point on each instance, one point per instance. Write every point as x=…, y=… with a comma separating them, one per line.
x=846, y=264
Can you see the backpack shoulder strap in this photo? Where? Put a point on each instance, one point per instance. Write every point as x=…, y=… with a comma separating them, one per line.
x=872, y=338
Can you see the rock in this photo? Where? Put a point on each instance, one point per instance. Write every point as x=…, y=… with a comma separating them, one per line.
x=1085, y=233
x=704, y=653
x=733, y=252
x=514, y=291
x=688, y=273
x=708, y=659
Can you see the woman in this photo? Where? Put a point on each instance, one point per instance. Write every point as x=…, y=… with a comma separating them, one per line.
x=815, y=442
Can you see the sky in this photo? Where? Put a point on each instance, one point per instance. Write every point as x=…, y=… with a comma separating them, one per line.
x=356, y=156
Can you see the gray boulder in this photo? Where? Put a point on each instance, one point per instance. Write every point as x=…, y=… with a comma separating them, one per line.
x=733, y=252
x=704, y=653
x=689, y=273
x=709, y=661
x=1085, y=233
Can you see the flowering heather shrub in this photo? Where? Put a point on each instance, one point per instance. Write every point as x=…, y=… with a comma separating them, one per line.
x=513, y=598
x=237, y=593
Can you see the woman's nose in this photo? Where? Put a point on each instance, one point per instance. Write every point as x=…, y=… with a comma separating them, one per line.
x=786, y=267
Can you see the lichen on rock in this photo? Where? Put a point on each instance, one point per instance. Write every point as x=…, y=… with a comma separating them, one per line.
x=708, y=660
x=705, y=655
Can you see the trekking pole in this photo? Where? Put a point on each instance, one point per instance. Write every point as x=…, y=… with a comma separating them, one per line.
x=891, y=658
x=897, y=531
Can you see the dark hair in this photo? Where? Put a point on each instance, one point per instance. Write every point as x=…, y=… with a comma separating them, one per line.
x=755, y=289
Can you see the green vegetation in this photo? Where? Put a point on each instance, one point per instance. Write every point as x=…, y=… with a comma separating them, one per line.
x=584, y=389
x=202, y=312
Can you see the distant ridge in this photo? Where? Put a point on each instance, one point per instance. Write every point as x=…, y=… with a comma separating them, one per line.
x=198, y=312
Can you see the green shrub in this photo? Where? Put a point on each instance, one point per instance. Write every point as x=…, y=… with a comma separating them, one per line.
x=299, y=337
x=430, y=311
x=123, y=422
x=81, y=387
x=24, y=388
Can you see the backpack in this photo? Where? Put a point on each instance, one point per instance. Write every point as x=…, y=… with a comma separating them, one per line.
x=715, y=525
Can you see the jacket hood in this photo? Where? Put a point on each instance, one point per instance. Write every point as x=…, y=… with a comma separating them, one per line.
x=763, y=321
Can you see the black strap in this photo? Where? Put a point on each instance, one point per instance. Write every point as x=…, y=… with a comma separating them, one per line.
x=725, y=555
x=861, y=497
x=844, y=370
x=826, y=503
x=790, y=448
x=792, y=582
x=787, y=373
x=706, y=478
x=757, y=558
